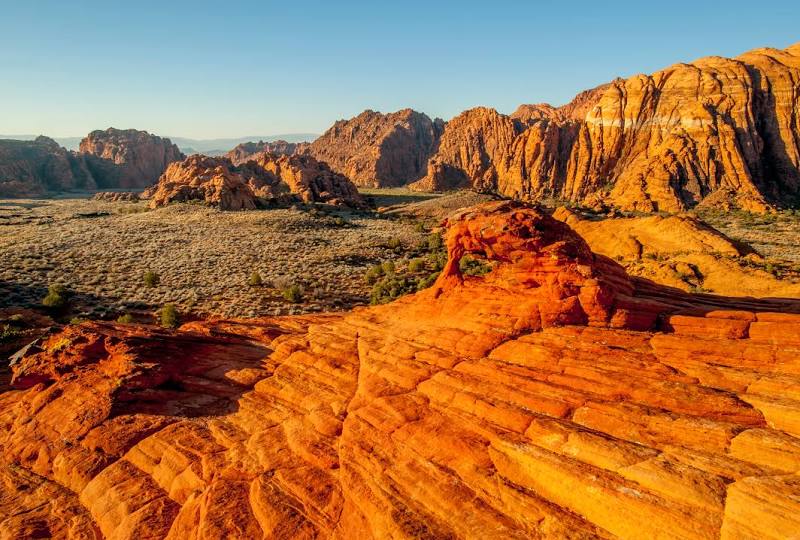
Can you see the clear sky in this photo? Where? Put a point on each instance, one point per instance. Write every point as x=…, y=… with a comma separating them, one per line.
x=226, y=69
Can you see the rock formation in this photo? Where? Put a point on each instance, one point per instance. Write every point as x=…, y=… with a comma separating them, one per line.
x=116, y=196
x=245, y=152
x=380, y=150
x=127, y=158
x=273, y=178
x=555, y=397
x=718, y=130
x=680, y=251
x=34, y=168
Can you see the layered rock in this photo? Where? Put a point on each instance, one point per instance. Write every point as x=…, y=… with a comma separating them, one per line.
x=720, y=130
x=127, y=158
x=380, y=150
x=35, y=168
x=272, y=178
x=554, y=397
x=245, y=152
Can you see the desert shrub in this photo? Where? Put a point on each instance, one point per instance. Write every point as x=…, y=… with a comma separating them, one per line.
x=420, y=227
x=168, y=315
x=473, y=267
x=293, y=294
x=255, y=280
x=56, y=297
x=416, y=265
x=125, y=318
x=390, y=288
x=78, y=320
x=373, y=274
x=438, y=260
x=394, y=243
x=151, y=279
x=435, y=242
x=388, y=267
x=9, y=333
x=427, y=281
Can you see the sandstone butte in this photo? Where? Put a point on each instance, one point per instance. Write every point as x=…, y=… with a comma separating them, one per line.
x=269, y=178
x=127, y=158
x=555, y=397
x=380, y=150
x=716, y=131
x=244, y=152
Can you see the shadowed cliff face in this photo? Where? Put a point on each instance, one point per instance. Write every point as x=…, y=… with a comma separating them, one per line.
x=554, y=397
x=723, y=131
x=380, y=150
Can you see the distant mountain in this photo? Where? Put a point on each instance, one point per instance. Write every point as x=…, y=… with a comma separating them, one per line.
x=211, y=147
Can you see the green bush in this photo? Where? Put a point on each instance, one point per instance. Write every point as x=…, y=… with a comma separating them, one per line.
x=388, y=267
x=416, y=265
x=420, y=227
x=293, y=294
x=394, y=243
x=78, y=320
x=255, y=280
x=473, y=267
x=373, y=274
x=151, y=279
x=390, y=288
x=435, y=242
x=126, y=318
x=56, y=297
x=168, y=315
x=9, y=333
x=427, y=281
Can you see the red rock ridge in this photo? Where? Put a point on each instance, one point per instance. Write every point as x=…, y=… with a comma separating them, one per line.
x=720, y=130
x=553, y=398
x=380, y=150
x=245, y=152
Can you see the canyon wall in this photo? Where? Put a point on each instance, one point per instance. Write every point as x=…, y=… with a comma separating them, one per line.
x=34, y=168
x=718, y=130
x=249, y=150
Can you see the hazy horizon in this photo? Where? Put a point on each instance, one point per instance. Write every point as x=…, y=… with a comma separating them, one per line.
x=206, y=70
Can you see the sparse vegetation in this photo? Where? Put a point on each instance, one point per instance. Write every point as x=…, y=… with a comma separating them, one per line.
x=56, y=297
x=9, y=333
x=168, y=316
x=293, y=293
x=255, y=280
x=125, y=318
x=151, y=279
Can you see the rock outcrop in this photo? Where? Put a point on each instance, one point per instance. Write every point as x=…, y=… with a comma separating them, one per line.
x=380, y=150
x=245, y=152
x=127, y=158
x=270, y=179
x=35, y=168
x=555, y=397
x=116, y=196
x=718, y=130
x=680, y=251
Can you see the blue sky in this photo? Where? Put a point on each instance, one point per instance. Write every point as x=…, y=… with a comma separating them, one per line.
x=225, y=69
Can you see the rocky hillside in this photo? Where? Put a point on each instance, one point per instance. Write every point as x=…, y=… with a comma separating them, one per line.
x=720, y=131
x=249, y=150
x=380, y=150
x=554, y=397
x=34, y=168
x=267, y=179
x=127, y=158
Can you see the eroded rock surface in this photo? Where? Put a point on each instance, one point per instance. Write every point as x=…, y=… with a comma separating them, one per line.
x=281, y=178
x=720, y=131
x=555, y=397
x=380, y=150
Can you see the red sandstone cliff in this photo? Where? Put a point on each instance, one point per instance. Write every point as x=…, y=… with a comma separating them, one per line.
x=725, y=131
x=552, y=398
x=380, y=150
x=127, y=158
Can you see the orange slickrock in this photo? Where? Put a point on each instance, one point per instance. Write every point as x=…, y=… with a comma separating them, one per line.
x=552, y=398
